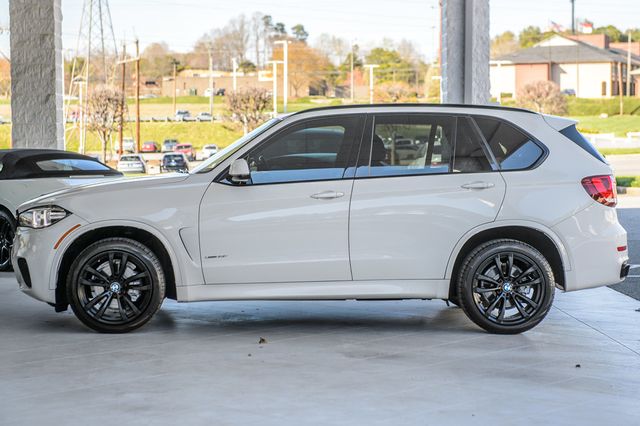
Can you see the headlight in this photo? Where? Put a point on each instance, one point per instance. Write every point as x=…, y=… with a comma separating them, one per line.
x=41, y=217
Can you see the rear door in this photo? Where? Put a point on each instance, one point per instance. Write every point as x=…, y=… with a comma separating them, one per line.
x=423, y=182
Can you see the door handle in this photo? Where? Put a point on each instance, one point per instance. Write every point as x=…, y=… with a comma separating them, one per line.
x=327, y=195
x=478, y=185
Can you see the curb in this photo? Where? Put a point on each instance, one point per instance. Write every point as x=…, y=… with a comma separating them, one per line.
x=628, y=190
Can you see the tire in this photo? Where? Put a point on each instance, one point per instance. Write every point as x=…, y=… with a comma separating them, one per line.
x=506, y=286
x=110, y=299
x=7, y=233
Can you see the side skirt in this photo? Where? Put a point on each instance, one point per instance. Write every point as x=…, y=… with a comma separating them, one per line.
x=325, y=290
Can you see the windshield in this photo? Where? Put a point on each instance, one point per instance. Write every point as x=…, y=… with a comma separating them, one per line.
x=227, y=152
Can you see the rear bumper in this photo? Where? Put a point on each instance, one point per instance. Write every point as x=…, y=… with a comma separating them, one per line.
x=596, y=244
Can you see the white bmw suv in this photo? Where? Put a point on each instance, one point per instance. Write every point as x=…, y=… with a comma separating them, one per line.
x=490, y=208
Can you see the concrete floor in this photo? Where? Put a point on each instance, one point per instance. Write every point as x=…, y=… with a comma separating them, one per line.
x=362, y=363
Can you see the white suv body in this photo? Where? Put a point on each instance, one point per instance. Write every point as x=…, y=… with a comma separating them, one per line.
x=488, y=208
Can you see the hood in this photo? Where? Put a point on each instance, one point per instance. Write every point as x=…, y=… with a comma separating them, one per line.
x=111, y=186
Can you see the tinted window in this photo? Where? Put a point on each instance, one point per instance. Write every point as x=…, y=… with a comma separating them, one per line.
x=572, y=133
x=513, y=149
x=315, y=150
x=409, y=144
x=129, y=158
x=470, y=156
x=70, y=164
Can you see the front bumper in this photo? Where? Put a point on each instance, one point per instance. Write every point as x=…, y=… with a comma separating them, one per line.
x=36, y=256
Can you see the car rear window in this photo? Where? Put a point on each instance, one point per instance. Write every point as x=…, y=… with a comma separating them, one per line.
x=129, y=158
x=513, y=149
x=183, y=146
x=576, y=137
x=70, y=165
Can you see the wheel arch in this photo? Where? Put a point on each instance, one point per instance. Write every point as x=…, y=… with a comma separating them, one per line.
x=137, y=233
x=541, y=238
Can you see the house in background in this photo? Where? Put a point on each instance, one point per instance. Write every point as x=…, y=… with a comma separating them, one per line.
x=585, y=65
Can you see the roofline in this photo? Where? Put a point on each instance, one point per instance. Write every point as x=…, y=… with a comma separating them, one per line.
x=414, y=105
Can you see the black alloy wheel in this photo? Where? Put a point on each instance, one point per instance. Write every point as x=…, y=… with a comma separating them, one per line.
x=7, y=234
x=116, y=285
x=506, y=286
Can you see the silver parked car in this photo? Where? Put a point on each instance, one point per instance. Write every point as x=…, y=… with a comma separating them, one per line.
x=132, y=163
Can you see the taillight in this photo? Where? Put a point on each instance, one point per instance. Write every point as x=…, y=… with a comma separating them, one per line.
x=602, y=189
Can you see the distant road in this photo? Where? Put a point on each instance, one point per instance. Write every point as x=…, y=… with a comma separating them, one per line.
x=625, y=165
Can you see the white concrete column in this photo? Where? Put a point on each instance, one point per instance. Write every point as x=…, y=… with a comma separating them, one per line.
x=36, y=74
x=465, y=51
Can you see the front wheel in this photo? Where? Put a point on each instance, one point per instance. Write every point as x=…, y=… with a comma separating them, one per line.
x=7, y=233
x=116, y=285
x=506, y=286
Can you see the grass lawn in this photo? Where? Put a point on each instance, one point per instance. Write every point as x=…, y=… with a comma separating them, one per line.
x=199, y=134
x=632, y=181
x=618, y=124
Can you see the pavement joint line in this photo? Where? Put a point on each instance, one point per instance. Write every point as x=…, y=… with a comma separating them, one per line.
x=599, y=331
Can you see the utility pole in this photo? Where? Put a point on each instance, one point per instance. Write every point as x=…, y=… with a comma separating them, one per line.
x=234, y=62
x=137, y=96
x=275, y=85
x=285, y=59
x=371, y=67
x=175, y=63
x=124, y=96
x=629, y=63
x=620, y=88
x=211, y=84
x=573, y=16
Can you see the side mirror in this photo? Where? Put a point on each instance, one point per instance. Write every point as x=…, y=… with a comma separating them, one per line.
x=239, y=171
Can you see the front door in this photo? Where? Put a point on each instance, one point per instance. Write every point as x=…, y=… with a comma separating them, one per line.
x=427, y=179
x=290, y=223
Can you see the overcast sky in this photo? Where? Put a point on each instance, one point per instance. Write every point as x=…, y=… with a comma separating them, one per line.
x=181, y=23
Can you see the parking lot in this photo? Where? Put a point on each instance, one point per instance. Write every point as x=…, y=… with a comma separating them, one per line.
x=403, y=362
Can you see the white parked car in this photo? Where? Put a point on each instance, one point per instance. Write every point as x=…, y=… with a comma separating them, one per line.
x=132, y=163
x=30, y=173
x=502, y=207
x=204, y=116
x=128, y=145
x=208, y=151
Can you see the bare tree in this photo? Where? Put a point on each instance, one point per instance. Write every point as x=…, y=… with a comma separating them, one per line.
x=105, y=110
x=248, y=106
x=394, y=92
x=542, y=96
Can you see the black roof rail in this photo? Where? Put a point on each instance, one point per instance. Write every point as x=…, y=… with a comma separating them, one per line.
x=356, y=106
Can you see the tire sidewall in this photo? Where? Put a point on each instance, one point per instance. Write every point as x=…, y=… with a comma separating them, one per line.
x=12, y=222
x=475, y=260
x=132, y=248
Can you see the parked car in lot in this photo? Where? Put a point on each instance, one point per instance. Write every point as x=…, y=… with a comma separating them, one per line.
x=503, y=207
x=208, y=151
x=204, y=116
x=187, y=149
x=128, y=145
x=132, y=163
x=169, y=145
x=174, y=162
x=182, y=115
x=30, y=173
x=150, y=146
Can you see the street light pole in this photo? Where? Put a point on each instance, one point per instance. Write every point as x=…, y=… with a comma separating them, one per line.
x=629, y=63
x=285, y=59
x=211, y=85
x=352, y=79
x=371, y=67
x=234, y=62
x=275, y=85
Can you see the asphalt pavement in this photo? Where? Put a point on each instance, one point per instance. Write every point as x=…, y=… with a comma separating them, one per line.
x=625, y=165
x=629, y=216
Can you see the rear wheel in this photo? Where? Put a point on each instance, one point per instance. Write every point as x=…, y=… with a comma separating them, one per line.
x=506, y=286
x=116, y=285
x=7, y=233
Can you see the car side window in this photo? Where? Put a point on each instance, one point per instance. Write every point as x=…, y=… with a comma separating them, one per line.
x=314, y=150
x=409, y=144
x=512, y=149
x=470, y=155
